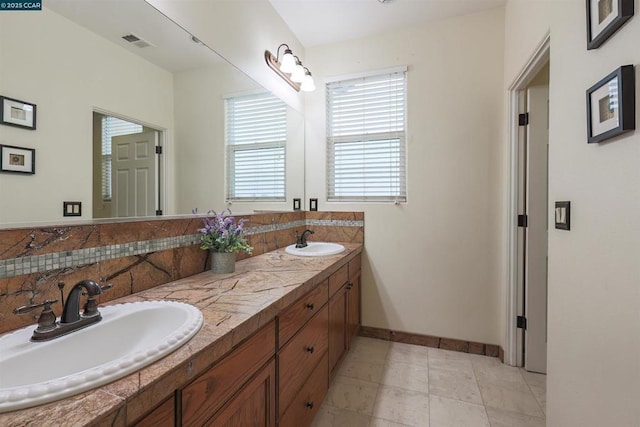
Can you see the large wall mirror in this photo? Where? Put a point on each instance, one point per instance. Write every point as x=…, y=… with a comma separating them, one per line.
x=114, y=82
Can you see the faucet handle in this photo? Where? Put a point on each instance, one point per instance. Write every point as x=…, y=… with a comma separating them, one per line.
x=29, y=308
x=103, y=288
x=47, y=319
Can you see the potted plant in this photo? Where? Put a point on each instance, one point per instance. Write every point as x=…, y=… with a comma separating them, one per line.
x=222, y=237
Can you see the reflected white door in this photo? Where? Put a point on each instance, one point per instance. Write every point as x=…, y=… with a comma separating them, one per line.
x=537, y=228
x=133, y=174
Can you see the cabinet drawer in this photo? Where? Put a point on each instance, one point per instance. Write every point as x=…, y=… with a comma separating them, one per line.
x=297, y=314
x=207, y=393
x=298, y=358
x=337, y=279
x=306, y=403
x=354, y=267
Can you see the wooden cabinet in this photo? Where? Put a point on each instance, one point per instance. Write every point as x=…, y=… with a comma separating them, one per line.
x=253, y=405
x=353, y=299
x=203, y=397
x=337, y=327
x=306, y=402
x=281, y=373
x=164, y=415
x=344, y=311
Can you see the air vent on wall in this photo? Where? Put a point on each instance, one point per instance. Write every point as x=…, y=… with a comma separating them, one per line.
x=137, y=41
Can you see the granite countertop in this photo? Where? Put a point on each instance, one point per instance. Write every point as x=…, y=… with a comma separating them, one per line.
x=234, y=306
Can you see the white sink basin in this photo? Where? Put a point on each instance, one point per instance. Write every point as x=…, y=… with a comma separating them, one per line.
x=129, y=337
x=316, y=249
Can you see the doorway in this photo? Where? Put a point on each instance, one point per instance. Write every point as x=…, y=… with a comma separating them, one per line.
x=126, y=167
x=528, y=214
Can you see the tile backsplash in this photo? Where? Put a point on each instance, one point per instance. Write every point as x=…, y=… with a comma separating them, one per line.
x=137, y=255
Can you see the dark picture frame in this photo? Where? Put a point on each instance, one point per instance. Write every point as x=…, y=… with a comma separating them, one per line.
x=14, y=112
x=17, y=159
x=604, y=18
x=563, y=215
x=611, y=105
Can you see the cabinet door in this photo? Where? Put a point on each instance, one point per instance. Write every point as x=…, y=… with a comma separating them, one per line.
x=337, y=327
x=210, y=390
x=253, y=405
x=162, y=416
x=353, y=312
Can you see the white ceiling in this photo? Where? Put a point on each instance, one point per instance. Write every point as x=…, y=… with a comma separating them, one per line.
x=172, y=47
x=317, y=22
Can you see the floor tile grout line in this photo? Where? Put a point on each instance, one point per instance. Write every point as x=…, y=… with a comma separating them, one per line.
x=532, y=393
x=484, y=404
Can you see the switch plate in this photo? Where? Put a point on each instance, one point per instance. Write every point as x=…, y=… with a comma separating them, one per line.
x=297, y=205
x=313, y=204
x=71, y=208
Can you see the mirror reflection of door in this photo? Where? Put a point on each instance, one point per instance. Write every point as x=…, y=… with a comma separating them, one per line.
x=125, y=181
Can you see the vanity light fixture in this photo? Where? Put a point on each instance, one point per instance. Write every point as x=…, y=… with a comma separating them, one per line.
x=290, y=68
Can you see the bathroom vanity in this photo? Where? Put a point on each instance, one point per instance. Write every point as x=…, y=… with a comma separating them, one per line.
x=273, y=334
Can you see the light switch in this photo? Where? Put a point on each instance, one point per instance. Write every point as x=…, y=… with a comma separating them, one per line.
x=71, y=208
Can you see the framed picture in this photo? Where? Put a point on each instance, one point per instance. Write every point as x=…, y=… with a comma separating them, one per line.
x=563, y=215
x=17, y=159
x=605, y=17
x=17, y=113
x=611, y=105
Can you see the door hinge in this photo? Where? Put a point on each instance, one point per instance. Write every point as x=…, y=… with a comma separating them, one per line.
x=523, y=221
x=523, y=119
x=521, y=322
x=159, y=212
x=158, y=149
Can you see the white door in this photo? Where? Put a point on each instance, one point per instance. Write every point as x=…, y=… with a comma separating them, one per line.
x=536, y=230
x=133, y=174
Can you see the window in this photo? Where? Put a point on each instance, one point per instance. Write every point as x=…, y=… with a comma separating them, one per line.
x=256, y=137
x=366, y=138
x=111, y=127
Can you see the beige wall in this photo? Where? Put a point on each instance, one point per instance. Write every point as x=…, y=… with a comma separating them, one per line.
x=433, y=263
x=594, y=274
x=67, y=71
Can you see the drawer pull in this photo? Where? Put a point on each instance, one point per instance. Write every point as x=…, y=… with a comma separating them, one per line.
x=350, y=285
x=310, y=305
x=309, y=405
x=310, y=349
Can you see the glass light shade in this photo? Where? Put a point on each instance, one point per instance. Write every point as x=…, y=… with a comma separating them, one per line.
x=307, y=83
x=298, y=74
x=288, y=63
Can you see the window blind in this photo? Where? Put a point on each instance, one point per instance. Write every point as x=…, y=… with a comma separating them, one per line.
x=112, y=126
x=256, y=137
x=366, y=154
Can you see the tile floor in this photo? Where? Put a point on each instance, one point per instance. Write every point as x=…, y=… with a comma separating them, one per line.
x=386, y=384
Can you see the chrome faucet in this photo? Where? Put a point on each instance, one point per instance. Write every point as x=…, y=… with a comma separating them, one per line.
x=301, y=241
x=71, y=319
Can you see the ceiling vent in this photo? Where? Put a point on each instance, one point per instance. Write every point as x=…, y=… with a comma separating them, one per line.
x=137, y=41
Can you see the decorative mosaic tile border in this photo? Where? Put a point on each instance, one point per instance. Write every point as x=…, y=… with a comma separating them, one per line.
x=40, y=263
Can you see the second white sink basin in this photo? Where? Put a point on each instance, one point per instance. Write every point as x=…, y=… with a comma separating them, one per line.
x=316, y=249
x=129, y=337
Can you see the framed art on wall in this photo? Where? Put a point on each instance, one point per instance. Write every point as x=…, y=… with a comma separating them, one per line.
x=605, y=17
x=17, y=113
x=611, y=105
x=17, y=159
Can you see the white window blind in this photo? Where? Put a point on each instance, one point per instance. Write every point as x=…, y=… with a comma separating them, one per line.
x=256, y=136
x=111, y=127
x=366, y=154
